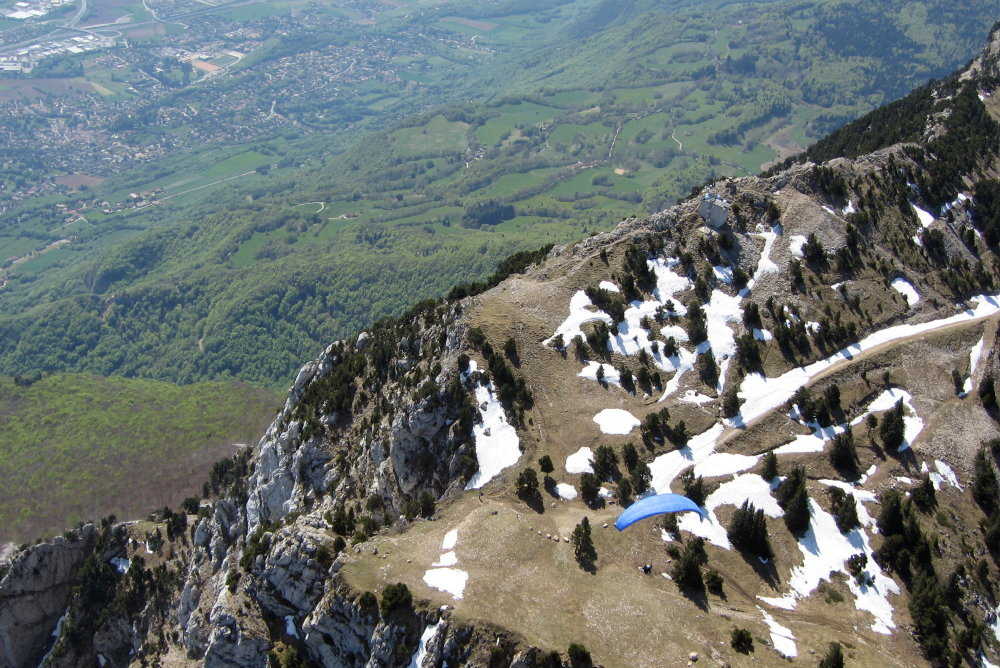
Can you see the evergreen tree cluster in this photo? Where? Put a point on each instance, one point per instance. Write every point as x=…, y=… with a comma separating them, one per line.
x=794, y=500
x=748, y=531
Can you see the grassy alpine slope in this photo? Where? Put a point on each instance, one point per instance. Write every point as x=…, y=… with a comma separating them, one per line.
x=75, y=447
x=617, y=112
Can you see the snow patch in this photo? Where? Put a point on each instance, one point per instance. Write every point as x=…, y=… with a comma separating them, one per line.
x=447, y=559
x=566, y=491
x=944, y=474
x=762, y=394
x=290, y=626
x=616, y=421
x=579, y=313
x=748, y=487
x=695, y=397
x=609, y=286
x=580, y=461
x=905, y=288
x=450, y=540
x=924, y=217
x=724, y=463
x=974, y=356
x=497, y=444
x=795, y=244
x=782, y=638
x=450, y=580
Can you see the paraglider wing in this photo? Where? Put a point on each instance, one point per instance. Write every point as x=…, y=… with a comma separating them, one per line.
x=655, y=505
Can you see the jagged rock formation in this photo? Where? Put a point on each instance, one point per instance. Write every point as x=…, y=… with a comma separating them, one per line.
x=831, y=317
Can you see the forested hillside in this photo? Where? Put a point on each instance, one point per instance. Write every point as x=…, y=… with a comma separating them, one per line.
x=585, y=113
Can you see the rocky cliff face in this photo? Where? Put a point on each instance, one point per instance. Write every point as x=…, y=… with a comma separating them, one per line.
x=34, y=594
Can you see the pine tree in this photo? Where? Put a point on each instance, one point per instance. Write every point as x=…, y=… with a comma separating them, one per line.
x=794, y=499
x=605, y=463
x=923, y=494
x=892, y=428
x=583, y=546
x=589, y=488
x=770, y=471
x=845, y=510
x=843, y=454
x=545, y=464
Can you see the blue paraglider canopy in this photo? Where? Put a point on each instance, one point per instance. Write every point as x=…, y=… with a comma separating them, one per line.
x=657, y=504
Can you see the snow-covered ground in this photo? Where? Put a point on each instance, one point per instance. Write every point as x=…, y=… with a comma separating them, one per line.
x=447, y=559
x=580, y=461
x=724, y=463
x=497, y=444
x=795, y=244
x=450, y=580
x=762, y=394
x=782, y=638
x=748, y=487
x=609, y=286
x=825, y=549
x=442, y=576
x=616, y=421
x=944, y=474
x=581, y=310
x=974, y=355
x=905, y=288
x=924, y=217
x=566, y=491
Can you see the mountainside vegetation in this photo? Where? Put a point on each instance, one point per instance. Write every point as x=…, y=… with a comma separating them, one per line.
x=617, y=111
x=76, y=446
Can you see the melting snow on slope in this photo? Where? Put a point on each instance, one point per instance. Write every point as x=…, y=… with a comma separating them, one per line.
x=611, y=374
x=905, y=288
x=417, y=660
x=616, y=421
x=762, y=394
x=765, y=265
x=974, y=355
x=581, y=310
x=566, y=491
x=849, y=209
x=782, y=638
x=944, y=474
x=447, y=559
x=497, y=444
x=795, y=244
x=695, y=397
x=749, y=487
x=450, y=540
x=450, y=580
x=724, y=463
x=924, y=217
x=580, y=461
x=824, y=549
x=668, y=466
